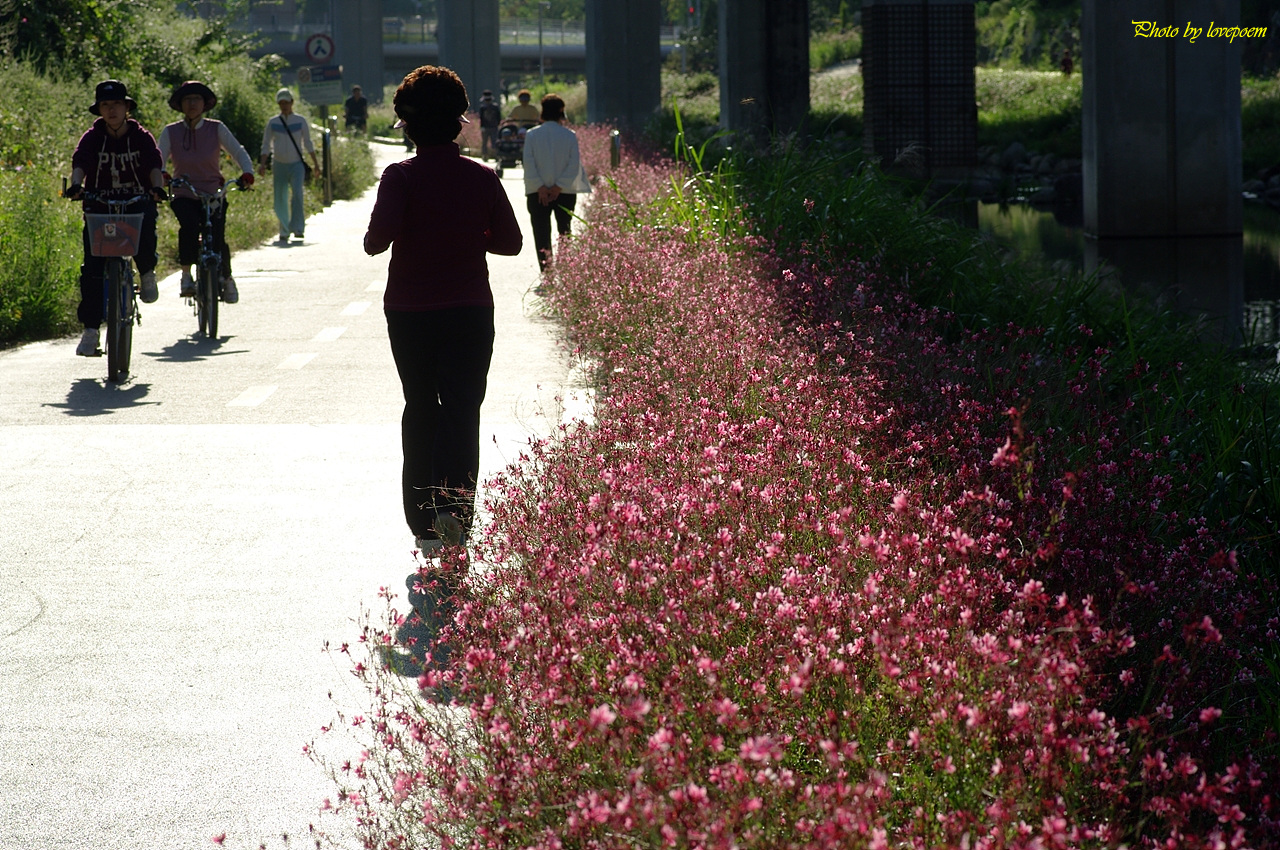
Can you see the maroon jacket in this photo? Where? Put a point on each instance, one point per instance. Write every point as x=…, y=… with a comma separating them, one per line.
x=120, y=167
x=441, y=214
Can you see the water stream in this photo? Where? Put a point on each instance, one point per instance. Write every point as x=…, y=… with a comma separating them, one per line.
x=1235, y=283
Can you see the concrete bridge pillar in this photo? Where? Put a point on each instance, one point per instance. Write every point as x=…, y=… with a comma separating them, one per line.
x=357, y=45
x=1162, y=141
x=919, y=108
x=764, y=65
x=624, y=56
x=468, y=37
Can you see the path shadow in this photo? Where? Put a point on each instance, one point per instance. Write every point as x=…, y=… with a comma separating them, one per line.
x=97, y=397
x=195, y=348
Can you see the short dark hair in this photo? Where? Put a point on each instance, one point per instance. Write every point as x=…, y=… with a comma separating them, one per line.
x=552, y=107
x=429, y=101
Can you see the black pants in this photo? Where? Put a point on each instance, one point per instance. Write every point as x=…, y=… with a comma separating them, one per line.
x=92, y=300
x=443, y=359
x=190, y=215
x=540, y=217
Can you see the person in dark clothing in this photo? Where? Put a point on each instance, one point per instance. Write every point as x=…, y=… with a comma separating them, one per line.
x=490, y=117
x=440, y=214
x=116, y=156
x=356, y=110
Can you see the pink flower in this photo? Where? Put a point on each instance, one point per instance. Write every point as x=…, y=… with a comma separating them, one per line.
x=601, y=716
x=761, y=748
x=1006, y=455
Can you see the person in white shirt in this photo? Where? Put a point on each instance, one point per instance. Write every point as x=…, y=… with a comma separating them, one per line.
x=553, y=176
x=195, y=145
x=284, y=140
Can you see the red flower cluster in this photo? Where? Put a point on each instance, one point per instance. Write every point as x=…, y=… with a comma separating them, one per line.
x=818, y=576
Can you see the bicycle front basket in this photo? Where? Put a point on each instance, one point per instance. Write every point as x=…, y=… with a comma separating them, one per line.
x=113, y=235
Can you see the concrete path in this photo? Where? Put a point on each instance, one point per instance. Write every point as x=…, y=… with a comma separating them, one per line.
x=176, y=551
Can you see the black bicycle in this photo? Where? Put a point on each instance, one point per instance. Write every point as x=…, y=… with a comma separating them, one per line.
x=209, y=262
x=115, y=235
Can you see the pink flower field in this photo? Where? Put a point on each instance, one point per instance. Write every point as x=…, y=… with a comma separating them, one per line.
x=825, y=572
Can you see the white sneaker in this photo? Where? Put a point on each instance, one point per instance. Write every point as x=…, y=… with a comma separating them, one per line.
x=88, y=346
x=229, y=292
x=187, y=289
x=149, y=290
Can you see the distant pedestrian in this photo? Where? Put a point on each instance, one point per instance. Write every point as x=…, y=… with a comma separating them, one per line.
x=441, y=214
x=524, y=111
x=490, y=117
x=356, y=110
x=553, y=175
x=284, y=139
x=1067, y=65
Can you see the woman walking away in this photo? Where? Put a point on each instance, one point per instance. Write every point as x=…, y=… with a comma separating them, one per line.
x=440, y=214
x=553, y=176
x=195, y=144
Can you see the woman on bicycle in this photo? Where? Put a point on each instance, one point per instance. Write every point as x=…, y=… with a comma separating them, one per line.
x=116, y=156
x=195, y=145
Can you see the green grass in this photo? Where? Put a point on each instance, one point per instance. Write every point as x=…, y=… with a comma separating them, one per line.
x=1041, y=109
x=1260, y=122
x=833, y=47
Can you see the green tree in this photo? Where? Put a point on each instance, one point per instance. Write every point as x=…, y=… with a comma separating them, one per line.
x=79, y=36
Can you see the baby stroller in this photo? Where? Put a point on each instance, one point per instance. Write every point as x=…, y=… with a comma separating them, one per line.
x=509, y=142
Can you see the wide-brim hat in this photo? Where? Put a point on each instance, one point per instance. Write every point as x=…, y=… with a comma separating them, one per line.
x=112, y=90
x=192, y=87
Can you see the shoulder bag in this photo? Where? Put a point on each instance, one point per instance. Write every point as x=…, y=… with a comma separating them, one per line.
x=306, y=169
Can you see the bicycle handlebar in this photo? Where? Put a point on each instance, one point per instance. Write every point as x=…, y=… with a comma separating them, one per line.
x=100, y=197
x=185, y=182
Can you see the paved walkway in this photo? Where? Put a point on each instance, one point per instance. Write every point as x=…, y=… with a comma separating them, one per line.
x=175, y=552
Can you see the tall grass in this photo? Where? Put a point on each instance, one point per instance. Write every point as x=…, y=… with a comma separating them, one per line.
x=39, y=258
x=834, y=47
x=1260, y=123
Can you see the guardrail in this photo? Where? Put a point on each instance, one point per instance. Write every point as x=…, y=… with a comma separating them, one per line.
x=421, y=30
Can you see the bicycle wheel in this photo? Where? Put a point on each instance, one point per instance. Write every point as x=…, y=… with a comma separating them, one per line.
x=119, y=320
x=207, y=300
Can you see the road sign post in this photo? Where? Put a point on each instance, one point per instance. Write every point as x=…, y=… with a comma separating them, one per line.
x=322, y=86
x=320, y=49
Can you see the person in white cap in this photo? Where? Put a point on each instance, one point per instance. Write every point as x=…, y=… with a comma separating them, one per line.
x=284, y=140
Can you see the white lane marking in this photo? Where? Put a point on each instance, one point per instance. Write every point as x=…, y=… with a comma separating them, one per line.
x=355, y=308
x=296, y=361
x=253, y=396
x=377, y=286
x=329, y=334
